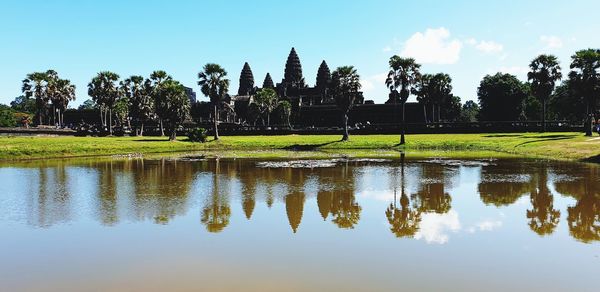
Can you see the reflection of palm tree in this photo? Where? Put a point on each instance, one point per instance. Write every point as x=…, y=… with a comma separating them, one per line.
x=432, y=196
x=404, y=221
x=324, y=201
x=345, y=209
x=584, y=217
x=543, y=218
x=217, y=212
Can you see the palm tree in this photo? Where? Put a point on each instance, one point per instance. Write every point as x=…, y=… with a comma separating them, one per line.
x=67, y=93
x=267, y=100
x=155, y=81
x=403, y=75
x=345, y=84
x=35, y=84
x=423, y=92
x=176, y=105
x=545, y=71
x=585, y=75
x=105, y=91
x=214, y=84
x=140, y=101
x=441, y=90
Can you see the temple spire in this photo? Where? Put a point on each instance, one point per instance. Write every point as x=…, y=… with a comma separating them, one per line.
x=268, y=83
x=246, y=81
x=323, y=76
x=293, y=70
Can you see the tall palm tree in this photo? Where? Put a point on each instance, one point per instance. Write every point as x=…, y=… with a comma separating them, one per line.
x=585, y=75
x=105, y=91
x=441, y=85
x=423, y=92
x=345, y=83
x=214, y=84
x=267, y=100
x=544, y=73
x=35, y=84
x=140, y=101
x=156, y=80
x=67, y=93
x=403, y=75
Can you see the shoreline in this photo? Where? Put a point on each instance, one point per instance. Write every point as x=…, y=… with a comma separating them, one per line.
x=567, y=146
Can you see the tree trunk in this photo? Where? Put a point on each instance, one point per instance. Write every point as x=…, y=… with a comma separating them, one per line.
x=101, y=117
x=345, y=120
x=268, y=119
x=403, y=130
x=543, y=115
x=425, y=112
x=162, y=129
x=142, y=129
x=439, y=113
x=173, y=134
x=433, y=112
x=589, y=123
x=215, y=123
x=40, y=116
x=110, y=121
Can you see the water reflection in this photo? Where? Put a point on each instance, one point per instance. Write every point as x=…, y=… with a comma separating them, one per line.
x=420, y=193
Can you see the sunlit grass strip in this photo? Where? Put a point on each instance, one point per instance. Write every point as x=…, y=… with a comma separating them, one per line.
x=567, y=146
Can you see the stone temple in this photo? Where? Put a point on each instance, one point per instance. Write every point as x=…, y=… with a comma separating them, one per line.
x=312, y=106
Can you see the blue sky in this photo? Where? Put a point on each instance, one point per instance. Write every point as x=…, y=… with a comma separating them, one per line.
x=467, y=39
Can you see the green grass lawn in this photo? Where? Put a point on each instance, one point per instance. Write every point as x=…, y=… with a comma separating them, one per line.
x=567, y=146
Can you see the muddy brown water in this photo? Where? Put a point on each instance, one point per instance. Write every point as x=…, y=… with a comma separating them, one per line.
x=334, y=225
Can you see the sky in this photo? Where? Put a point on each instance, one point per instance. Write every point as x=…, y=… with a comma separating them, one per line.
x=466, y=39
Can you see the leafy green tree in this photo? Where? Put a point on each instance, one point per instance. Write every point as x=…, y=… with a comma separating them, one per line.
x=88, y=104
x=141, y=105
x=105, y=91
x=121, y=111
x=501, y=98
x=175, y=107
x=585, y=76
x=566, y=104
x=35, y=85
x=544, y=73
x=23, y=104
x=345, y=84
x=469, y=111
x=61, y=92
x=214, y=84
x=401, y=80
x=7, y=116
x=451, y=108
x=153, y=85
x=285, y=108
x=267, y=100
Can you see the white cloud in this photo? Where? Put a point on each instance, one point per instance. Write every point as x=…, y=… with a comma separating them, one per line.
x=434, y=227
x=485, y=225
x=432, y=47
x=489, y=47
x=386, y=49
x=371, y=82
x=551, y=42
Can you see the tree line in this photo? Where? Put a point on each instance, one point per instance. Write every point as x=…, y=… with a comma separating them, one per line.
x=158, y=98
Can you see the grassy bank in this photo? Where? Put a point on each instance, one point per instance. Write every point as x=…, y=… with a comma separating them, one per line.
x=568, y=146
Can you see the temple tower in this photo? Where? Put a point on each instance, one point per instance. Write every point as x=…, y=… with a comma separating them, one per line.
x=246, y=81
x=268, y=83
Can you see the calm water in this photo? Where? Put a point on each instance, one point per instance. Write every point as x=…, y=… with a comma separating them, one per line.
x=159, y=225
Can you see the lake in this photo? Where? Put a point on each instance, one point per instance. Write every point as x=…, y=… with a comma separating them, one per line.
x=331, y=225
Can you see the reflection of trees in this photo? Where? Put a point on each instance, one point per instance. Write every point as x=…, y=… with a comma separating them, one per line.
x=216, y=213
x=294, y=201
x=432, y=196
x=339, y=200
x=404, y=221
x=51, y=203
x=584, y=217
x=543, y=218
x=108, y=194
x=503, y=183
